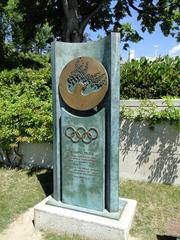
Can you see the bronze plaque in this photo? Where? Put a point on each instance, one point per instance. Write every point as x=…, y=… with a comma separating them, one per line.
x=83, y=83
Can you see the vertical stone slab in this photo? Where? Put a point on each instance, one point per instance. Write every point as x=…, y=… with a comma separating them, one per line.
x=56, y=126
x=113, y=121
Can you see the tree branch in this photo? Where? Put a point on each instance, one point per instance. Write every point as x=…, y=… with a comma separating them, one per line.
x=130, y=2
x=91, y=14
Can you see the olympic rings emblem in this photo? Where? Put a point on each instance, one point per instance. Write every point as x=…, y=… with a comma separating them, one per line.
x=81, y=134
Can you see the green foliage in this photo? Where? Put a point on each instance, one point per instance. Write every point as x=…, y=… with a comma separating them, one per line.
x=55, y=236
x=2, y=31
x=128, y=34
x=14, y=33
x=26, y=106
x=42, y=36
x=15, y=59
x=26, y=21
x=146, y=79
x=149, y=111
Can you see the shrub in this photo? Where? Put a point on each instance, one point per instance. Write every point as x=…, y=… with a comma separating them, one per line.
x=146, y=79
x=14, y=59
x=26, y=107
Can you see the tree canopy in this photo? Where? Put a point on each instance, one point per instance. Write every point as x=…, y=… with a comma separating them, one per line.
x=30, y=24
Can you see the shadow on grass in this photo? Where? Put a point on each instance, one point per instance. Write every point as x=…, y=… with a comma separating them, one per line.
x=45, y=177
x=165, y=237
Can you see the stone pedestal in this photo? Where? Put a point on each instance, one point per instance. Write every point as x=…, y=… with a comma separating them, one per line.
x=67, y=221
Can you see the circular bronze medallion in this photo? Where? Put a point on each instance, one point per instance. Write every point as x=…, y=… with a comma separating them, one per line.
x=83, y=83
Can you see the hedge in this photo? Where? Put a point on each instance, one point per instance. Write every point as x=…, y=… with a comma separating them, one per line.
x=146, y=79
x=25, y=106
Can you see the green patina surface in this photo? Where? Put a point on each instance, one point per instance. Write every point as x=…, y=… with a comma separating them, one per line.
x=79, y=183
x=83, y=160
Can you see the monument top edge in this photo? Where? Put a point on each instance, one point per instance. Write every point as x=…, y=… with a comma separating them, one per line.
x=112, y=34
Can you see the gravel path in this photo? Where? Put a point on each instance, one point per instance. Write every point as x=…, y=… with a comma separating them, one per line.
x=22, y=228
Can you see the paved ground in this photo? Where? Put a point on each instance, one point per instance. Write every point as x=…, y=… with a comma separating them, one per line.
x=23, y=229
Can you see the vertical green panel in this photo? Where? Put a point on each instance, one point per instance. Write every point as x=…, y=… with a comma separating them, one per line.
x=83, y=160
x=56, y=127
x=114, y=122
x=61, y=54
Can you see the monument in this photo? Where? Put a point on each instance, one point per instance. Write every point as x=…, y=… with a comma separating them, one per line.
x=86, y=143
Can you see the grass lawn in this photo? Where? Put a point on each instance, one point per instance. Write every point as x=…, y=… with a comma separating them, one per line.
x=18, y=192
x=51, y=236
x=157, y=203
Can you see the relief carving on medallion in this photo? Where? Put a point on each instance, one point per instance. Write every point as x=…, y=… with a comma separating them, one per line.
x=83, y=83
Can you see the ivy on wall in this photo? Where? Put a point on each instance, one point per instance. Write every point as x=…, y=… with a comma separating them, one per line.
x=148, y=111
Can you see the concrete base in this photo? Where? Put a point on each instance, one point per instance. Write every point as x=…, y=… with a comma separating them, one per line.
x=67, y=221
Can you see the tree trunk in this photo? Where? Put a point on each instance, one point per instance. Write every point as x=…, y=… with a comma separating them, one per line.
x=72, y=32
x=71, y=26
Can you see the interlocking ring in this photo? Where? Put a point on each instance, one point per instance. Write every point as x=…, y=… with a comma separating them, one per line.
x=81, y=134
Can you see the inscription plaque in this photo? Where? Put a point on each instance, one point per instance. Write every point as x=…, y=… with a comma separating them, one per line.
x=83, y=160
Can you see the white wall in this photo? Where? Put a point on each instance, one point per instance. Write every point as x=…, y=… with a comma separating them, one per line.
x=145, y=154
x=150, y=155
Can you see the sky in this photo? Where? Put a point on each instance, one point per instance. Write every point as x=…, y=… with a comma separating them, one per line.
x=154, y=44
